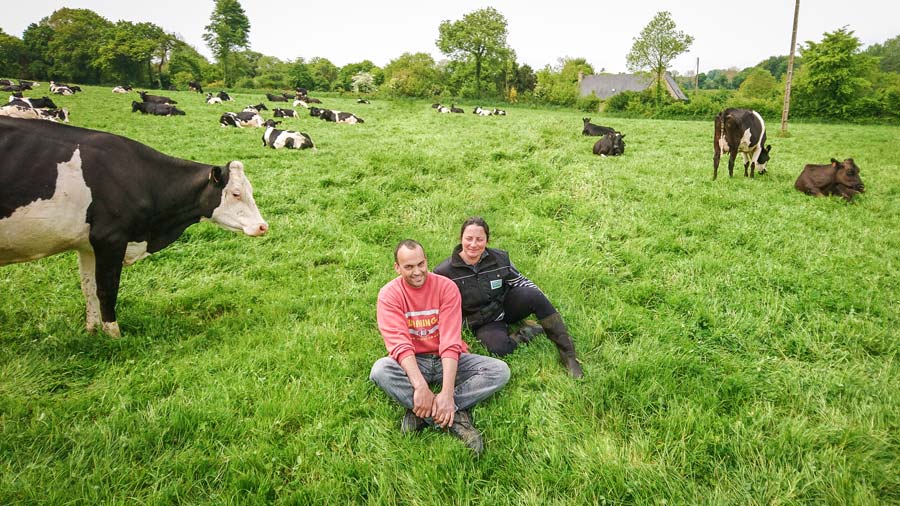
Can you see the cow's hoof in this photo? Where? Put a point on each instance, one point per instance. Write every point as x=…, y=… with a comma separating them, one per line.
x=112, y=329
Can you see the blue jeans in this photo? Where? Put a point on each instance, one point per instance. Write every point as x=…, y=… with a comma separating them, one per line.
x=477, y=377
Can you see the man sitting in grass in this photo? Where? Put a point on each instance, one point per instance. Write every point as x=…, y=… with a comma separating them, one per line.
x=420, y=319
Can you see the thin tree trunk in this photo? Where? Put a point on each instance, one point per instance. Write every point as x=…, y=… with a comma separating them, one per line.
x=790, y=72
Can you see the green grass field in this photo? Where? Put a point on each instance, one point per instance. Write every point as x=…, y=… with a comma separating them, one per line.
x=739, y=339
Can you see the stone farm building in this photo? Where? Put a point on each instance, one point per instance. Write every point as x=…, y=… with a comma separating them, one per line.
x=607, y=85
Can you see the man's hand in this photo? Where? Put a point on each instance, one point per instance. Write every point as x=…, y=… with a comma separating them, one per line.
x=423, y=401
x=444, y=409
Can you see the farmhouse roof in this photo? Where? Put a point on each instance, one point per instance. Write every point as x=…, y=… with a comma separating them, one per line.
x=607, y=85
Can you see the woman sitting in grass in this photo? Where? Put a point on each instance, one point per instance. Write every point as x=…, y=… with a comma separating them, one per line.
x=495, y=295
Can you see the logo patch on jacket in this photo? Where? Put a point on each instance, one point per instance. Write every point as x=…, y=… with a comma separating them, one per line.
x=496, y=283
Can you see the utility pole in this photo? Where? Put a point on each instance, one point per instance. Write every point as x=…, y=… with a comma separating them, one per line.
x=697, y=77
x=790, y=73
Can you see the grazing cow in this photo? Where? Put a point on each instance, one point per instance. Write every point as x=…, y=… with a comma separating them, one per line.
x=593, y=130
x=498, y=112
x=241, y=119
x=156, y=99
x=611, y=144
x=195, y=86
x=156, y=109
x=455, y=109
x=210, y=99
x=224, y=96
x=275, y=98
x=362, y=101
x=744, y=131
x=277, y=139
x=839, y=178
x=285, y=113
x=481, y=112
x=335, y=116
x=111, y=199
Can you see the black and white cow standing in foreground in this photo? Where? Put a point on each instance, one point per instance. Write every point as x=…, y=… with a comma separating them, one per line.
x=111, y=199
x=277, y=139
x=740, y=130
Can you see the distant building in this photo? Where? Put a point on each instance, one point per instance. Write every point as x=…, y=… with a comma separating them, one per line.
x=607, y=85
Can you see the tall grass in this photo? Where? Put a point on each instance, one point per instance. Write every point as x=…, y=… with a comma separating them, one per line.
x=739, y=338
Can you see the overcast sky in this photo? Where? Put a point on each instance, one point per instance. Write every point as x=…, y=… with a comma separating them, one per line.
x=726, y=33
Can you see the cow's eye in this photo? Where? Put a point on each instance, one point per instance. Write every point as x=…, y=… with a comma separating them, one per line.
x=237, y=194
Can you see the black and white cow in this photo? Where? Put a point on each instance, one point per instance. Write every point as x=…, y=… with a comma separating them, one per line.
x=27, y=85
x=195, y=86
x=455, y=109
x=301, y=102
x=256, y=108
x=36, y=103
x=156, y=99
x=19, y=111
x=285, y=113
x=61, y=89
x=210, y=99
x=611, y=144
x=362, y=101
x=224, y=96
x=335, y=116
x=744, y=131
x=277, y=139
x=276, y=98
x=593, y=130
x=121, y=89
x=109, y=198
x=156, y=109
x=241, y=119
x=443, y=109
x=481, y=112
x=498, y=112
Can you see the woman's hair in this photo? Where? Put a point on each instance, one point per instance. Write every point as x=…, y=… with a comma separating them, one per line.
x=476, y=220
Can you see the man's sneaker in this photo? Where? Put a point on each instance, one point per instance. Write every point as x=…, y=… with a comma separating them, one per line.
x=411, y=423
x=463, y=429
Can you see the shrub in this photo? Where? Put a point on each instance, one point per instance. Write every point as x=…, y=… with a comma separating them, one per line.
x=590, y=103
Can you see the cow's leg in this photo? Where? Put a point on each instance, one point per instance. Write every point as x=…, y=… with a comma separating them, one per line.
x=746, y=163
x=88, y=271
x=109, y=271
x=731, y=157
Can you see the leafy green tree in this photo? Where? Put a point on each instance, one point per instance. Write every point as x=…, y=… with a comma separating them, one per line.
x=559, y=85
x=228, y=30
x=525, y=79
x=363, y=82
x=299, y=75
x=12, y=55
x=183, y=58
x=411, y=75
x=77, y=37
x=323, y=73
x=478, y=37
x=888, y=53
x=658, y=44
x=127, y=50
x=759, y=83
x=36, y=40
x=835, y=75
x=347, y=72
x=777, y=65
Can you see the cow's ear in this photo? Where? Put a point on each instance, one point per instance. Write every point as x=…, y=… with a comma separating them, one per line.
x=215, y=175
x=834, y=162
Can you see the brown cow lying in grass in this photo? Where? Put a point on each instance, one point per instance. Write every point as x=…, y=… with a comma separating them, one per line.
x=838, y=178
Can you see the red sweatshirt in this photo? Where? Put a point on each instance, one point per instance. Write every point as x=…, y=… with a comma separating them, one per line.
x=427, y=319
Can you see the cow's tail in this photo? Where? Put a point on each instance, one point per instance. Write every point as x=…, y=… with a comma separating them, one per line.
x=717, y=150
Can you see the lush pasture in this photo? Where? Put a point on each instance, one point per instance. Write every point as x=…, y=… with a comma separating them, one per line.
x=739, y=339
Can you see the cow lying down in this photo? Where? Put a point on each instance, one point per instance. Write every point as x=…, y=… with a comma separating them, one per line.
x=156, y=109
x=335, y=116
x=277, y=139
x=838, y=178
x=111, y=199
x=19, y=111
x=611, y=144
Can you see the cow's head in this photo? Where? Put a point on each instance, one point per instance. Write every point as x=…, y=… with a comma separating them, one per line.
x=315, y=111
x=271, y=123
x=763, y=159
x=848, y=174
x=135, y=106
x=237, y=210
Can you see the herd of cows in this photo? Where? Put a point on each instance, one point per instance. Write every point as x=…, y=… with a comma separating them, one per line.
x=75, y=193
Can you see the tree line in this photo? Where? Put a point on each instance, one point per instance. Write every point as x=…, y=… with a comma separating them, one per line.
x=834, y=78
